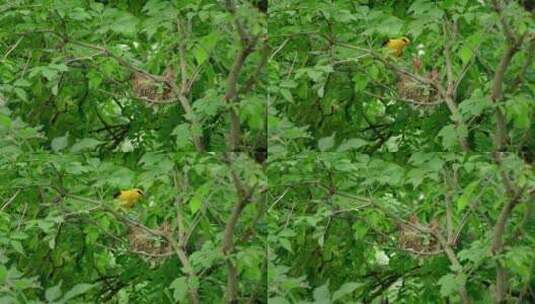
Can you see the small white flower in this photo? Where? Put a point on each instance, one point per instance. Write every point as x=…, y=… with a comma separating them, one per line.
x=126, y=146
x=381, y=258
x=421, y=53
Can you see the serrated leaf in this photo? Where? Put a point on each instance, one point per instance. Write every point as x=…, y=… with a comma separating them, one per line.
x=450, y=284
x=200, y=55
x=180, y=287
x=322, y=294
x=286, y=244
x=465, y=53
x=352, y=144
x=17, y=246
x=85, y=144
x=467, y=196
x=59, y=143
x=345, y=289
x=183, y=136
x=53, y=293
x=77, y=290
x=21, y=94
x=278, y=300
x=449, y=136
x=326, y=143
x=5, y=120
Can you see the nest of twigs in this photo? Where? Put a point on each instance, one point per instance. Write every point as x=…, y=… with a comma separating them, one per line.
x=417, y=93
x=148, y=89
x=148, y=244
x=415, y=242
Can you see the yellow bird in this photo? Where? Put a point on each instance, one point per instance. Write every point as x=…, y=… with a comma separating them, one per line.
x=397, y=45
x=129, y=197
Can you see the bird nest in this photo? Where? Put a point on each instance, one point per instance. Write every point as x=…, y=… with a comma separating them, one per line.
x=415, y=241
x=149, y=89
x=419, y=94
x=148, y=244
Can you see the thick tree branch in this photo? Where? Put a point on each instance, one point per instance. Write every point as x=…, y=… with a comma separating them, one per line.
x=244, y=196
x=514, y=195
x=248, y=43
x=512, y=47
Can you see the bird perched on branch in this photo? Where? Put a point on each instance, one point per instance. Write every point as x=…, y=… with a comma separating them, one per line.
x=128, y=198
x=397, y=45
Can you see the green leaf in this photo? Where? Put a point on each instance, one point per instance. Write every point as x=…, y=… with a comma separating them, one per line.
x=21, y=94
x=467, y=196
x=360, y=230
x=360, y=81
x=79, y=14
x=476, y=253
x=17, y=246
x=198, y=198
x=416, y=176
x=195, y=203
x=55, y=89
x=53, y=293
x=120, y=177
x=94, y=79
x=85, y=144
x=77, y=290
x=48, y=73
x=519, y=110
x=183, y=136
x=322, y=295
x=450, y=284
x=345, y=289
x=286, y=244
x=352, y=144
x=209, y=41
x=449, y=136
x=122, y=22
x=465, y=53
x=180, y=287
x=200, y=55
x=5, y=120
x=3, y=273
x=390, y=26
x=475, y=105
x=286, y=94
x=519, y=260
x=21, y=82
x=326, y=143
x=278, y=300
x=59, y=143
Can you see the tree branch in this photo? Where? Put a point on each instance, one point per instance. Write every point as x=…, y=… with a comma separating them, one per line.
x=248, y=43
x=512, y=48
x=514, y=196
x=244, y=195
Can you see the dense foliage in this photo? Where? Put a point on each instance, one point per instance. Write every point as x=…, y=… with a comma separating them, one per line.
x=100, y=96
x=396, y=174
x=464, y=82
x=145, y=73
x=401, y=228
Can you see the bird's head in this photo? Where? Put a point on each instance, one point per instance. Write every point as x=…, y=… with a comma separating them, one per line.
x=405, y=40
x=139, y=191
